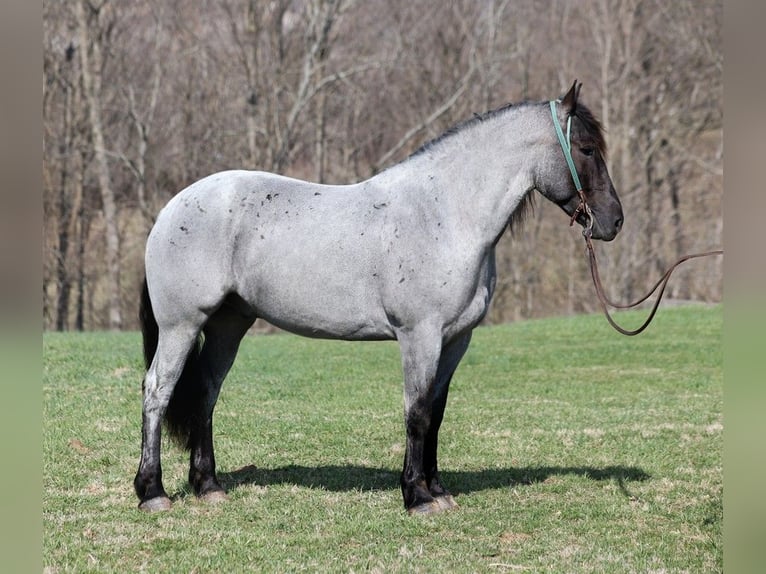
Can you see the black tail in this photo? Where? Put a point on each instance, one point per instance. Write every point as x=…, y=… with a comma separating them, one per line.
x=186, y=410
x=149, y=328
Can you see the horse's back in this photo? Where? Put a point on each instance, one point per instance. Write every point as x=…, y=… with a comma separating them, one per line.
x=302, y=255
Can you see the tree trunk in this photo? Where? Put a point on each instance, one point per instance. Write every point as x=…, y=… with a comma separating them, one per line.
x=91, y=76
x=63, y=281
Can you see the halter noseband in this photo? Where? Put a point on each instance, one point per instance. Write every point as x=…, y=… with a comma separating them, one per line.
x=566, y=147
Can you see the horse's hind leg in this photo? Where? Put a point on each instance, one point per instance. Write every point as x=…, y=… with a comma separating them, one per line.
x=173, y=348
x=223, y=333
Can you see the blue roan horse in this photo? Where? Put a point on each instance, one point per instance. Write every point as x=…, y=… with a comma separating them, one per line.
x=408, y=255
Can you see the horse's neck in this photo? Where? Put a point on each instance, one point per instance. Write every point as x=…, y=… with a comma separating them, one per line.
x=482, y=176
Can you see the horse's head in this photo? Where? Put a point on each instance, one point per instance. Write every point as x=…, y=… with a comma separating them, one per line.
x=588, y=152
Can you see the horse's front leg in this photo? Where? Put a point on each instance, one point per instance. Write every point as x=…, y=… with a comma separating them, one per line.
x=450, y=357
x=425, y=396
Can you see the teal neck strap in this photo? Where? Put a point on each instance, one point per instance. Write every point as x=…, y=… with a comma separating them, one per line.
x=565, y=144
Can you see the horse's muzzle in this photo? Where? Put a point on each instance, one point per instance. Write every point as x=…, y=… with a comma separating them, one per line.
x=604, y=232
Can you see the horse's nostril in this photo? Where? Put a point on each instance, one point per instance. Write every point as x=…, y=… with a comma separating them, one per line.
x=618, y=223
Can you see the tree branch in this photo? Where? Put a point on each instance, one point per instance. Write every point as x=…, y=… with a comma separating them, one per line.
x=435, y=115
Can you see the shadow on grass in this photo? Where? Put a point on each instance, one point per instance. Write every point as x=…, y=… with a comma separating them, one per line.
x=354, y=477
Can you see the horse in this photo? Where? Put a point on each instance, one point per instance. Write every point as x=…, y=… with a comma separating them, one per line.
x=408, y=254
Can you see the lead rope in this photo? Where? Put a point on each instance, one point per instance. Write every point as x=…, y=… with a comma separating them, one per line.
x=661, y=284
x=588, y=231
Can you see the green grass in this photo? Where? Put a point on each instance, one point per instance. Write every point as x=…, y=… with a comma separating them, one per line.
x=569, y=449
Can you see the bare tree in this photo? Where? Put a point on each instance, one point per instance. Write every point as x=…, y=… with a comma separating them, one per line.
x=156, y=94
x=662, y=118
x=142, y=111
x=90, y=16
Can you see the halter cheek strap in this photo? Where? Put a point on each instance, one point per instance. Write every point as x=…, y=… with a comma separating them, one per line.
x=566, y=147
x=565, y=144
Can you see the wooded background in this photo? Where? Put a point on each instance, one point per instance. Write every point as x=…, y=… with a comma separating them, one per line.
x=142, y=98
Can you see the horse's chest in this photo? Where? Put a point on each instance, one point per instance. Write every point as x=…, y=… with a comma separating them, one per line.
x=472, y=302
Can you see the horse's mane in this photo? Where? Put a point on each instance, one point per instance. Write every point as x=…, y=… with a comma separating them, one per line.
x=462, y=126
x=591, y=124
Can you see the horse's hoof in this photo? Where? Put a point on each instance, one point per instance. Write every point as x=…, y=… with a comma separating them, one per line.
x=156, y=504
x=446, y=502
x=214, y=497
x=425, y=509
x=437, y=505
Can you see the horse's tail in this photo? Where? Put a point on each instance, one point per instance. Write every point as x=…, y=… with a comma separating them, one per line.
x=186, y=409
x=149, y=328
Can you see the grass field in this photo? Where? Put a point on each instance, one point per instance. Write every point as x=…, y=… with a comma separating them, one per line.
x=569, y=449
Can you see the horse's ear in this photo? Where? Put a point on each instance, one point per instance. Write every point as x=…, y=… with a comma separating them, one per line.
x=570, y=100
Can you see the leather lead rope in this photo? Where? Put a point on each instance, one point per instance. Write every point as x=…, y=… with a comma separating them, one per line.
x=661, y=284
x=584, y=208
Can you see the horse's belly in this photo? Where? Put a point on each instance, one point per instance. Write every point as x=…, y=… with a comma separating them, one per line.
x=318, y=323
x=315, y=306
x=333, y=329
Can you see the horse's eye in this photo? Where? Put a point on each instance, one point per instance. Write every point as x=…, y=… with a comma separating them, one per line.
x=587, y=151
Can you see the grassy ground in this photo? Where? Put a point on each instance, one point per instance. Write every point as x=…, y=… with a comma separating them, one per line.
x=569, y=449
